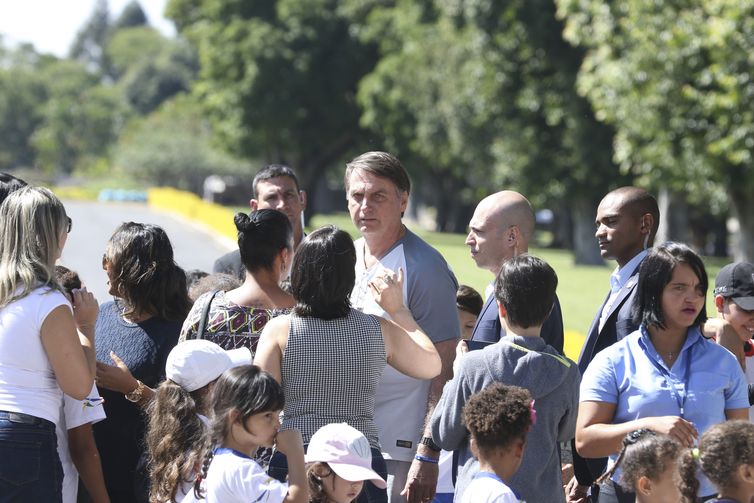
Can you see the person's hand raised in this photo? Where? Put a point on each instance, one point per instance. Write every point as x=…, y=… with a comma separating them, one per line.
x=387, y=291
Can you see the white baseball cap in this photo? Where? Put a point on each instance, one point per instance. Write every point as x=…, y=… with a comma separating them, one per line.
x=346, y=450
x=195, y=363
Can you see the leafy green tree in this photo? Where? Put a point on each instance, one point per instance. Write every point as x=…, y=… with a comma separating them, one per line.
x=484, y=94
x=80, y=118
x=172, y=147
x=131, y=16
x=681, y=100
x=22, y=96
x=89, y=45
x=150, y=68
x=278, y=78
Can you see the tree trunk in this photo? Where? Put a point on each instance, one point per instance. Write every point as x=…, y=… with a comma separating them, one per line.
x=585, y=248
x=562, y=227
x=674, y=217
x=743, y=248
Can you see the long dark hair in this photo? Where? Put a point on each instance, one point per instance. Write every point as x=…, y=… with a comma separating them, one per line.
x=655, y=273
x=246, y=389
x=176, y=438
x=323, y=274
x=261, y=236
x=145, y=274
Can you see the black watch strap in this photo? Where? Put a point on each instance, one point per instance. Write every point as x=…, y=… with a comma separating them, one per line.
x=430, y=443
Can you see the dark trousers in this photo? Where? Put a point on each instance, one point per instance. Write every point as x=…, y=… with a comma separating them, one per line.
x=278, y=469
x=30, y=468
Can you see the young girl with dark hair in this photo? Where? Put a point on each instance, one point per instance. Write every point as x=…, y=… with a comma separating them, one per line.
x=726, y=456
x=665, y=376
x=246, y=405
x=177, y=431
x=236, y=318
x=649, y=467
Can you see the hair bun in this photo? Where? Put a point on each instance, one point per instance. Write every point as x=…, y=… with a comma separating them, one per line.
x=243, y=222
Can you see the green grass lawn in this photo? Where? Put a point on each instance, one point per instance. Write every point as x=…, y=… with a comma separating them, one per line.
x=581, y=289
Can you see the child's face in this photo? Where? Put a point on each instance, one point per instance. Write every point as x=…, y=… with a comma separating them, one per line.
x=339, y=490
x=741, y=320
x=260, y=429
x=467, y=321
x=663, y=489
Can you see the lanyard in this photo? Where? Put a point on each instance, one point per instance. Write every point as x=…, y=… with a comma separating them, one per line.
x=680, y=396
x=559, y=358
x=490, y=475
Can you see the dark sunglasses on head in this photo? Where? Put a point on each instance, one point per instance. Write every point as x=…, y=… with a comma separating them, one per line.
x=70, y=224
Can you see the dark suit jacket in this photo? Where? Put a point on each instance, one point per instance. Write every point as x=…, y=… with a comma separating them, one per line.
x=230, y=263
x=618, y=324
x=489, y=329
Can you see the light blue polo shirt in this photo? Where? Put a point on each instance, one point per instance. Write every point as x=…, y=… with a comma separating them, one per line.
x=631, y=374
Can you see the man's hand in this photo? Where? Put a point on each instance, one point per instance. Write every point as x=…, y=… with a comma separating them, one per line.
x=421, y=482
x=576, y=493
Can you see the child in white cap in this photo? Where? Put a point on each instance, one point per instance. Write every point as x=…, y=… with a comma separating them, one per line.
x=177, y=415
x=339, y=461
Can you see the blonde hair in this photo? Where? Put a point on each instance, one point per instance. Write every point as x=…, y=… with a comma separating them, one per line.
x=32, y=220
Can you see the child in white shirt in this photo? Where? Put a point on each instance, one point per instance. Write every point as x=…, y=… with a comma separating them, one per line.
x=499, y=418
x=246, y=404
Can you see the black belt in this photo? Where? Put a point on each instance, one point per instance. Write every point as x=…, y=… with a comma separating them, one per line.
x=21, y=418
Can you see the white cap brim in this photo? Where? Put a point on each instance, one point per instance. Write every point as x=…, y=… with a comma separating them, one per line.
x=354, y=473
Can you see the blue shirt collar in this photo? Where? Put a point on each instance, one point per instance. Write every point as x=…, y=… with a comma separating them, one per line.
x=620, y=275
x=693, y=335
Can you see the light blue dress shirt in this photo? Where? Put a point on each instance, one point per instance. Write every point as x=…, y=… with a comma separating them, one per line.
x=706, y=378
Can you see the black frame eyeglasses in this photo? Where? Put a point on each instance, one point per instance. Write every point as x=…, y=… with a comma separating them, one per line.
x=70, y=224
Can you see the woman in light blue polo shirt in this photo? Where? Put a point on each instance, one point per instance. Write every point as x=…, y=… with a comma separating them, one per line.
x=665, y=376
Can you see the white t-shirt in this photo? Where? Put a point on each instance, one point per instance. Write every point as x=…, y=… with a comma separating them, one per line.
x=429, y=290
x=236, y=478
x=27, y=382
x=74, y=413
x=488, y=488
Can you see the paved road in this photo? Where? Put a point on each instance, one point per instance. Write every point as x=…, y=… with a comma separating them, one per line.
x=195, y=247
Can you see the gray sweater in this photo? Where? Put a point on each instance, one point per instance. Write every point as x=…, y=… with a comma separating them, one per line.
x=555, y=389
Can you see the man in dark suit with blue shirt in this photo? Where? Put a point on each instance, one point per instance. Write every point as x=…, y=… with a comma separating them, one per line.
x=627, y=221
x=501, y=228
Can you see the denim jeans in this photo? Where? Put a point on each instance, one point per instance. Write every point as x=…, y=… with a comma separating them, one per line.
x=30, y=468
x=278, y=469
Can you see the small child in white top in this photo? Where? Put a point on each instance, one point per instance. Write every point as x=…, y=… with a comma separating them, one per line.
x=498, y=418
x=246, y=404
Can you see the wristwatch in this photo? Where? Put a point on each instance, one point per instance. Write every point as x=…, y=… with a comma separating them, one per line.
x=136, y=394
x=430, y=443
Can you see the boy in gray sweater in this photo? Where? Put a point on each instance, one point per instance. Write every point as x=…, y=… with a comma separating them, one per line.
x=525, y=292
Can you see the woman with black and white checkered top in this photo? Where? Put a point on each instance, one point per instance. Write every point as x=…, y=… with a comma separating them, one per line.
x=330, y=357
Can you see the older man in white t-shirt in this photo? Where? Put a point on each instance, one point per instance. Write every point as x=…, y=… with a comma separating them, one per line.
x=377, y=190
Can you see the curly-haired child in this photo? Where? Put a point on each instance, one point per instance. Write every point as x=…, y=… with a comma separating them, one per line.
x=499, y=418
x=649, y=467
x=726, y=456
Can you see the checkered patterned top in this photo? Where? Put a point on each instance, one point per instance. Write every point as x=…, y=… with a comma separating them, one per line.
x=331, y=369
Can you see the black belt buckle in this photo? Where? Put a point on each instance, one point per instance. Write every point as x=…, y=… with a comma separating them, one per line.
x=18, y=417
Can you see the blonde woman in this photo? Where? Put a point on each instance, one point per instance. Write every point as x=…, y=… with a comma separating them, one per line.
x=41, y=352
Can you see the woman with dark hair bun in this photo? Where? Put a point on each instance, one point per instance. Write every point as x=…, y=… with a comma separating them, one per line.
x=135, y=332
x=664, y=377
x=236, y=318
x=330, y=357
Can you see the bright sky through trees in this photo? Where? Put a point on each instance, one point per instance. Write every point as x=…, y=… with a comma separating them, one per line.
x=52, y=24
